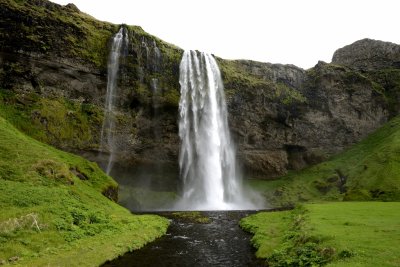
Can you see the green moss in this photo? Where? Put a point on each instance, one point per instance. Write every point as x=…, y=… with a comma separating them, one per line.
x=56, y=121
x=388, y=82
x=236, y=79
x=287, y=95
x=172, y=98
x=53, y=210
x=58, y=30
x=233, y=74
x=191, y=216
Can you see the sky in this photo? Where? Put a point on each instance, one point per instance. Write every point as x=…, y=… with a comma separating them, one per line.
x=299, y=32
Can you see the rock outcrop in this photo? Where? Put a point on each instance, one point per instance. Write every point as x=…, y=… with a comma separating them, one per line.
x=368, y=54
x=53, y=77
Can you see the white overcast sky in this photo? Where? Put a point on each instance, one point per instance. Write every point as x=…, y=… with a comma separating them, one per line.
x=298, y=32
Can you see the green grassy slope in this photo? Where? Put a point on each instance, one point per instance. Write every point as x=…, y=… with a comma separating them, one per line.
x=369, y=170
x=336, y=234
x=53, y=211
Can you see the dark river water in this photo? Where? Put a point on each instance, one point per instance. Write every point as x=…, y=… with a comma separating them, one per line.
x=221, y=242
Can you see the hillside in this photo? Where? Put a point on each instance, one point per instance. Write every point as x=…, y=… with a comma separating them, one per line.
x=54, y=209
x=369, y=170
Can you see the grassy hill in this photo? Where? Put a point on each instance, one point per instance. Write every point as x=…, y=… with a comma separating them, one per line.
x=54, y=209
x=337, y=234
x=369, y=170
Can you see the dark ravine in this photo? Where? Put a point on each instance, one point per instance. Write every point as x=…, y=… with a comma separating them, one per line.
x=282, y=117
x=219, y=242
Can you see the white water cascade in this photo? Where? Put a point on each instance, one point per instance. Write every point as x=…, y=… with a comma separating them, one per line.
x=207, y=156
x=107, y=131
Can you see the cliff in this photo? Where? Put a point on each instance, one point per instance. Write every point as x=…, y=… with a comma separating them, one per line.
x=294, y=118
x=53, y=84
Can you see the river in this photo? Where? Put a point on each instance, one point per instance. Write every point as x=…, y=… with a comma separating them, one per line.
x=217, y=242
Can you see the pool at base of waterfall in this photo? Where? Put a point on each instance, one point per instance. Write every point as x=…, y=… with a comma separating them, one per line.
x=206, y=238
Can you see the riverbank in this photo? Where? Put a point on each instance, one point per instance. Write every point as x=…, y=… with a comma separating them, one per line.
x=337, y=234
x=57, y=209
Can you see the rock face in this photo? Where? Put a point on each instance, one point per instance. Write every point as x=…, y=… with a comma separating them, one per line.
x=53, y=78
x=334, y=108
x=368, y=54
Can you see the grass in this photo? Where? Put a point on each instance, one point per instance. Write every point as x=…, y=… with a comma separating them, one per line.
x=336, y=234
x=369, y=170
x=54, y=211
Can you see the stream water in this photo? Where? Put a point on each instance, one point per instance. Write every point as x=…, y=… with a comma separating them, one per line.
x=220, y=242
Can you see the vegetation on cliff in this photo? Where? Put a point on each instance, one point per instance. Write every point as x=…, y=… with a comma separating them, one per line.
x=55, y=210
x=389, y=81
x=332, y=234
x=44, y=27
x=240, y=82
x=57, y=121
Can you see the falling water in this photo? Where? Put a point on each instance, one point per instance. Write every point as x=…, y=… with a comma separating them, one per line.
x=107, y=131
x=207, y=156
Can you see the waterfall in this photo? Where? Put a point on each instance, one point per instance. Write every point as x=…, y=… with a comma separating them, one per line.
x=108, y=129
x=207, y=155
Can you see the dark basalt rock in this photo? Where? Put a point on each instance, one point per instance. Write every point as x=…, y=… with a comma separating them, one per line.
x=111, y=192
